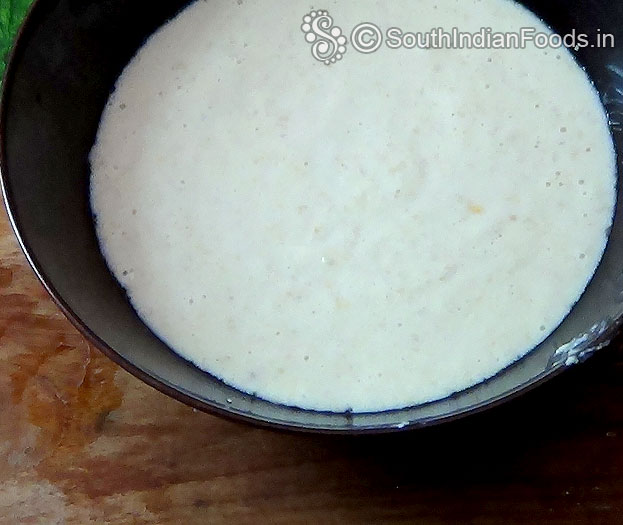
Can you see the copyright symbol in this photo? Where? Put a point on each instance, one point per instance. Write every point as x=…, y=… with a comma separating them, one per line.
x=366, y=38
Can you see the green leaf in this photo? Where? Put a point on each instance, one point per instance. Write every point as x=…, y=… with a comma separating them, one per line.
x=12, y=13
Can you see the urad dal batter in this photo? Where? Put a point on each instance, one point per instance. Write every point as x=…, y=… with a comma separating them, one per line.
x=370, y=235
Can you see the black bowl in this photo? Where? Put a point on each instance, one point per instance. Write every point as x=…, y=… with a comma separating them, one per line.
x=64, y=65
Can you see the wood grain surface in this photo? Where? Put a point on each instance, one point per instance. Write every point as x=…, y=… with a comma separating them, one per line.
x=81, y=441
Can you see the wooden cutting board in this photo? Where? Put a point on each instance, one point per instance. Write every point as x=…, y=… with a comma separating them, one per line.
x=82, y=440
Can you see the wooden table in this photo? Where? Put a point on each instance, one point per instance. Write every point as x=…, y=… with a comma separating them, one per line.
x=80, y=440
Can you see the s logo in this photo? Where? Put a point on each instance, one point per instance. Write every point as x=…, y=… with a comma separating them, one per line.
x=328, y=42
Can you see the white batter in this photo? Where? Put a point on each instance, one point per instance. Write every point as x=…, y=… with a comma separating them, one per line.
x=370, y=235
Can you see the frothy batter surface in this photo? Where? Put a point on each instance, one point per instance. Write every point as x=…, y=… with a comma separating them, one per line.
x=371, y=235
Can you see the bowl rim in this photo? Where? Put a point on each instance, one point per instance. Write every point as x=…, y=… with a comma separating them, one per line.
x=36, y=13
